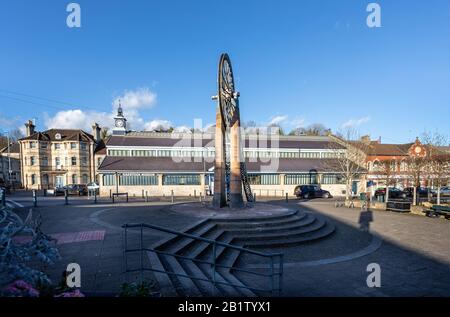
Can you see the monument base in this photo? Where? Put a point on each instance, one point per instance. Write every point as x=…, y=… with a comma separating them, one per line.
x=219, y=200
x=236, y=201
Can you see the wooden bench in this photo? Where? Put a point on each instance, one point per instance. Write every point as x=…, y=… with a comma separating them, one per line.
x=438, y=210
x=117, y=195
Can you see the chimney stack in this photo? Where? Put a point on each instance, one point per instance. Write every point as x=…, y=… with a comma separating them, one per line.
x=29, y=128
x=365, y=139
x=96, y=131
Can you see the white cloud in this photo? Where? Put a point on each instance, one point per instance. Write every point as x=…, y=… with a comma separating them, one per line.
x=132, y=101
x=351, y=123
x=277, y=120
x=136, y=99
x=182, y=129
x=157, y=125
x=78, y=119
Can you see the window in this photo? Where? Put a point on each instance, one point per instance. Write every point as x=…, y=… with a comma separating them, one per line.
x=57, y=161
x=138, y=180
x=32, y=145
x=264, y=179
x=57, y=146
x=84, y=161
x=73, y=145
x=44, y=161
x=297, y=179
x=85, y=179
x=33, y=179
x=332, y=179
x=109, y=179
x=32, y=160
x=74, y=161
x=74, y=179
x=83, y=145
x=44, y=145
x=119, y=152
x=181, y=179
x=45, y=179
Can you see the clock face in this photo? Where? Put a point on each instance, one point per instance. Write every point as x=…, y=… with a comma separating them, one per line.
x=418, y=149
x=119, y=123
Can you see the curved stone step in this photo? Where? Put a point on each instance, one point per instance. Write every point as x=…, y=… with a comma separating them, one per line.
x=284, y=234
x=308, y=220
x=280, y=222
x=325, y=231
x=258, y=219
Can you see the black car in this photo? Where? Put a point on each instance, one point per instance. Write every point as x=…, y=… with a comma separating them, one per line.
x=76, y=189
x=421, y=192
x=311, y=191
x=393, y=192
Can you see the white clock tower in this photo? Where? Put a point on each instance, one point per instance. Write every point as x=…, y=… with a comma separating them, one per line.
x=120, y=126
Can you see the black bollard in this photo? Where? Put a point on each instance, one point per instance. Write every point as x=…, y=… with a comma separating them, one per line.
x=172, y=196
x=287, y=199
x=95, y=196
x=66, y=197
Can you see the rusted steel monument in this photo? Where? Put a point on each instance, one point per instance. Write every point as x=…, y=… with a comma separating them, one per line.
x=230, y=174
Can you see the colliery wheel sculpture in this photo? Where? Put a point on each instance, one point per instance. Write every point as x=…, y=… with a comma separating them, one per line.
x=230, y=174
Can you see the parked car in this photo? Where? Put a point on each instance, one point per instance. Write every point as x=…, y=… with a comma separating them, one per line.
x=393, y=192
x=93, y=186
x=76, y=189
x=445, y=191
x=311, y=191
x=59, y=190
x=421, y=192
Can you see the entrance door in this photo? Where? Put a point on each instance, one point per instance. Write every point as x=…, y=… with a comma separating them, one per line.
x=59, y=181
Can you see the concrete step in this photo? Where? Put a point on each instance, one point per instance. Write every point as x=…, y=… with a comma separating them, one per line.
x=229, y=258
x=233, y=280
x=184, y=285
x=223, y=289
x=193, y=250
x=184, y=242
x=167, y=289
x=259, y=224
x=292, y=226
x=259, y=219
x=191, y=229
x=325, y=231
x=205, y=287
x=204, y=250
x=282, y=234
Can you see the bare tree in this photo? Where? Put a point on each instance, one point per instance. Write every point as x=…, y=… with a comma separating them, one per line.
x=350, y=162
x=416, y=169
x=388, y=169
x=437, y=162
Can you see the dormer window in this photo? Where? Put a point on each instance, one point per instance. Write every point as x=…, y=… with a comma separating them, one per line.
x=58, y=136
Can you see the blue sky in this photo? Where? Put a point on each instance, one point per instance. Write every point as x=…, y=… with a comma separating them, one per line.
x=296, y=62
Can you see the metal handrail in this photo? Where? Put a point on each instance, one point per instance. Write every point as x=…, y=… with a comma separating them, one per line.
x=213, y=264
